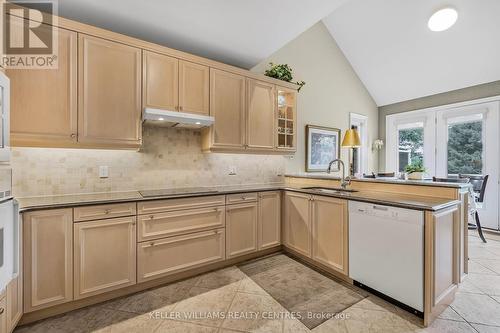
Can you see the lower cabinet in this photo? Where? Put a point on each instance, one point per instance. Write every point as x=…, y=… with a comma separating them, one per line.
x=174, y=254
x=269, y=220
x=297, y=222
x=330, y=233
x=241, y=229
x=14, y=300
x=3, y=315
x=317, y=227
x=105, y=255
x=48, y=258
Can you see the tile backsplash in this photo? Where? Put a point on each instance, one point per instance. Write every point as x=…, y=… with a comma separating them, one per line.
x=169, y=158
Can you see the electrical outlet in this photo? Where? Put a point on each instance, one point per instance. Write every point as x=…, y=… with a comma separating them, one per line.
x=103, y=171
x=232, y=170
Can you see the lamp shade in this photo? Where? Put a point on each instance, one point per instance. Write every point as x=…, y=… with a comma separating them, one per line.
x=351, y=139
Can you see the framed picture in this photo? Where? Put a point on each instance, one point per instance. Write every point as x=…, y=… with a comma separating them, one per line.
x=322, y=146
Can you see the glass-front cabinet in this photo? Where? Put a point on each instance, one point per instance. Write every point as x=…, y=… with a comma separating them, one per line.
x=287, y=119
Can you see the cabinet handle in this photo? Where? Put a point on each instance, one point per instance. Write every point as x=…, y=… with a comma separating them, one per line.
x=2, y=310
x=151, y=217
x=180, y=107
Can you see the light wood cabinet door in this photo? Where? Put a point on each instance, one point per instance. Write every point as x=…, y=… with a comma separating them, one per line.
x=14, y=298
x=261, y=115
x=241, y=229
x=297, y=233
x=48, y=258
x=269, y=222
x=160, y=81
x=105, y=255
x=194, y=88
x=44, y=102
x=3, y=316
x=227, y=105
x=109, y=93
x=179, y=253
x=330, y=233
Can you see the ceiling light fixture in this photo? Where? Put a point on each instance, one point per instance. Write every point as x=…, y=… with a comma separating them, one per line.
x=443, y=19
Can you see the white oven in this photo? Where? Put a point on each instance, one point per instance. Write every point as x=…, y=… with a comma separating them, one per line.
x=4, y=118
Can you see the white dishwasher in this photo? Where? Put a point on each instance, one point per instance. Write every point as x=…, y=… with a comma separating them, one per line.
x=386, y=252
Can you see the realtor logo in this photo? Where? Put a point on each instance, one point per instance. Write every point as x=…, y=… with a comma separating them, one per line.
x=29, y=36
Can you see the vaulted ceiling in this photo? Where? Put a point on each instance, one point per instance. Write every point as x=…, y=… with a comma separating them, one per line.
x=387, y=41
x=237, y=32
x=398, y=58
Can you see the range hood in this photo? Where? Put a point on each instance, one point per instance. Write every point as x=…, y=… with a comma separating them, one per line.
x=165, y=118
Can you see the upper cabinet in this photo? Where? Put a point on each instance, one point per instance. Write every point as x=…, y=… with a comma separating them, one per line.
x=161, y=81
x=260, y=115
x=194, y=88
x=44, y=102
x=175, y=85
x=96, y=96
x=227, y=105
x=109, y=83
x=287, y=119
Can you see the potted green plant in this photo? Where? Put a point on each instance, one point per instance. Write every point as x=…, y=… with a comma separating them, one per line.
x=282, y=72
x=415, y=170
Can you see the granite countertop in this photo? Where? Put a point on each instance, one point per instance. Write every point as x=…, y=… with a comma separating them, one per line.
x=382, y=198
x=387, y=180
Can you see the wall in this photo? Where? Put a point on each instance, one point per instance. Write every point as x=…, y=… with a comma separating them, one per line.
x=455, y=96
x=170, y=158
x=332, y=89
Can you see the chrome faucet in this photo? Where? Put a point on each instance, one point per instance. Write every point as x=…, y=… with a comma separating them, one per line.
x=344, y=182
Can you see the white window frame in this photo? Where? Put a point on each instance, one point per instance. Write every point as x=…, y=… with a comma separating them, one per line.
x=361, y=122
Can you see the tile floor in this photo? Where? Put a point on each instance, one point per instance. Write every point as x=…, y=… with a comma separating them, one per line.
x=204, y=303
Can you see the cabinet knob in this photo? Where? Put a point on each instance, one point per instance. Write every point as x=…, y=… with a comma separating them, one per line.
x=152, y=244
x=73, y=135
x=151, y=217
x=180, y=107
x=2, y=310
x=107, y=211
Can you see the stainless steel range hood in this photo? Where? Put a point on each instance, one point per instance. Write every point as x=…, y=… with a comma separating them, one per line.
x=165, y=118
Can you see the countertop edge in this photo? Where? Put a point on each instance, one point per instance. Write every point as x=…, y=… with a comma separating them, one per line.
x=448, y=202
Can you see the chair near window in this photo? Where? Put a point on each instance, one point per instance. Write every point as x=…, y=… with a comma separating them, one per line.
x=478, y=190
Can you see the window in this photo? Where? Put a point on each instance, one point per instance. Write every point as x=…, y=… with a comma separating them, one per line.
x=359, y=122
x=465, y=145
x=410, y=145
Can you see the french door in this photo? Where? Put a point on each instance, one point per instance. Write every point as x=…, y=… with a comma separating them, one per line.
x=451, y=141
x=467, y=142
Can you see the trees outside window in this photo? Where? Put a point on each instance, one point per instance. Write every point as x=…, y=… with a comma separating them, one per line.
x=411, y=147
x=465, y=148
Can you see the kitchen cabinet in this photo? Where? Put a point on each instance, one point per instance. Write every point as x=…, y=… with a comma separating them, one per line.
x=48, y=258
x=297, y=222
x=175, y=85
x=14, y=302
x=241, y=229
x=170, y=255
x=43, y=101
x=330, y=232
x=3, y=315
x=160, y=81
x=194, y=88
x=109, y=93
x=105, y=255
x=286, y=129
x=227, y=105
x=173, y=223
x=269, y=219
x=261, y=115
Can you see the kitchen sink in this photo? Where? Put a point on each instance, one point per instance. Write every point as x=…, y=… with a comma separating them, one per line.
x=330, y=190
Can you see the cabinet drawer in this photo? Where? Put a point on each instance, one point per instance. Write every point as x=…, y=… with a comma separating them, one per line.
x=241, y=198
x=97, y=212
x=161, y=225
x=157, y=206
x=171, y=255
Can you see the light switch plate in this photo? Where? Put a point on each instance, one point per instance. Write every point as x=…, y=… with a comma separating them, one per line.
x=103, y=171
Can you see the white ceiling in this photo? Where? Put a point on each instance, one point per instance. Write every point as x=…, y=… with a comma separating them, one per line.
x=238, y=32
x=398, y=58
